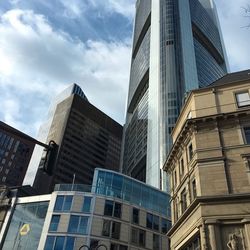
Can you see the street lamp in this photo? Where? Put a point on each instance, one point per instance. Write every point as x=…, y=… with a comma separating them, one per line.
x=96, y=248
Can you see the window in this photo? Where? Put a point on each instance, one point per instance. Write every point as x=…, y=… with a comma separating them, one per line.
x=194, y=244
x=111, y=229
x=86, y=204
x=243, y=99
x=138, y=236
x=78, y=224
x=54, y=223
x=115, y=230
x=152, y=221
x=181, y=167
x=156, y=242
x=59, y=243
x=190, y=151
x=165, y=225
x=135, y=215
x=63, y=203
x=194, y=189
x=247, y=135
x=183, y=200
x=118, y=247
x=112, y=209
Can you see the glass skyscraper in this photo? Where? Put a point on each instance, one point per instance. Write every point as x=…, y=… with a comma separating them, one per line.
x=177, y=47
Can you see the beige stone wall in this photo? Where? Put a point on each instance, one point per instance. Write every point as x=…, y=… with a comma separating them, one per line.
x=63, y=223
x=77, y=203
x=99, y=206
x=126, y=212
x=96, y=227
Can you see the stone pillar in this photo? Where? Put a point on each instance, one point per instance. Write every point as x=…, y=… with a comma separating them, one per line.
x=214, y=241
x=246, y=222
x=203, y=237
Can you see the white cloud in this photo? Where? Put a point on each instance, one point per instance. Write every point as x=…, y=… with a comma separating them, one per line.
x=40, y=61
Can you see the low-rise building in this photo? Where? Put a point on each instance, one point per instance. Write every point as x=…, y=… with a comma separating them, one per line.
x=116, y=211
x=210, y=167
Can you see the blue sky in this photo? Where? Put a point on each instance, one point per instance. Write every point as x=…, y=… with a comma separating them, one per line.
x=46, y=45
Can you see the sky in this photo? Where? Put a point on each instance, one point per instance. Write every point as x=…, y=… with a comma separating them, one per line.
x=47, y=45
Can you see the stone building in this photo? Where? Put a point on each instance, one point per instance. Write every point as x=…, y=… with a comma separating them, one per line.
x=209, y=166
x=86, y=137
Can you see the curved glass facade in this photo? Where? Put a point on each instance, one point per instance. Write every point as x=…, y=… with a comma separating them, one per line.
x=180, y=49
x=112, y=184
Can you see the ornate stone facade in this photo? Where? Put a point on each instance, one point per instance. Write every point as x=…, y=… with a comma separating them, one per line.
x=209, y=168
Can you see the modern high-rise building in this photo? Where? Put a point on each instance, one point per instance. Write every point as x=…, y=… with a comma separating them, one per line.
x=45, y=127
x=177, y=47
x=85, y=138
x=15, y=152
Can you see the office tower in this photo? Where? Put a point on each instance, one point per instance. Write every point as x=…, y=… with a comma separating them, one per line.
x=86, y=138
x=15, y=152
x=44, y=130
x=209, y=165
x=177, y=47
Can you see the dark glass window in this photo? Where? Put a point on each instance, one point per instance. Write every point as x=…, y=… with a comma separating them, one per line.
x=152, y=221
x=156, y=222
x=135, y=215
x=183, y=200
x=181, y=167
x=59, y=203
x=118, y=247
x=54, y=223
x=115, y=230
x=156, y=242
x=108, y=209
x=70, y=242
x=78, y=224
x=165, y=225
x=112, y=209
x=49, y=243
x=106, y=228
x=67, y=203
x=247, y=134
x=63, y=203
x=59, y=243
x=149, y=220
x=190, y=151
x=194, y=189
x=138, y=236
x=86, y=204
x=117, y=210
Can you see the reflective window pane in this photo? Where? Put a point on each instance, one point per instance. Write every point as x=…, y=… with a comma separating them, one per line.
x=49, y=243
x=117, y=210
x=83, y=225
x=70, y=242
x=86, y=204
x=73, y=224
x=59, y=243
x=108, y=209
x=59, y=203
x=67, y=203
x=54, y=223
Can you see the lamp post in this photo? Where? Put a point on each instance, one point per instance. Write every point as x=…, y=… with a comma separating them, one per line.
x=96, y=248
